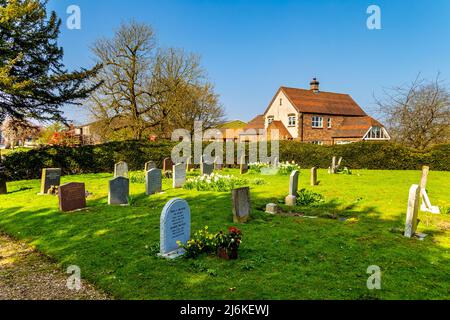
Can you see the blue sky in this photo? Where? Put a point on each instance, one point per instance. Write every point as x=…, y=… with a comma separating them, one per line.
x=251, y=48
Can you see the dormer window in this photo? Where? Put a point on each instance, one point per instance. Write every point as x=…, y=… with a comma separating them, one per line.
x=377, y=133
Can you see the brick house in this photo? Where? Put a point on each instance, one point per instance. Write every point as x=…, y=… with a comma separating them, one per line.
x=313, y=116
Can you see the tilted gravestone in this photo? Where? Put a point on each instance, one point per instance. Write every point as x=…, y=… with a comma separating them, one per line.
x=412, y=211
x=72, y=196
x=153, y=181
x=50, y=177
x=149, y=165
x=119, y=191
x=244, y=165
x=206, y=168
x=167, y=165
x=241, y=204
x=175, y=225
x=291, y=199
x=121, y=170
x=314, y=176
x=179, y=175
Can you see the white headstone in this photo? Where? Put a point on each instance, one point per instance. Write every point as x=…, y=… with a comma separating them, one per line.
x=413, y=211
x=175, y=226
x=179, y=175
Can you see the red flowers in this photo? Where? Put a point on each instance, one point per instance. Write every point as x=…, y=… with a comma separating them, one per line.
x=234, y=230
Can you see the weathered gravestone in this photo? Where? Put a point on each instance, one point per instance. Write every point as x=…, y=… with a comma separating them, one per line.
x=241, y=204
x=167, y=165
x=206, y=168
x=72, y=196
x=50, y=177
x=314, y=176
x=291, y=199
x=153, y=181
x=149, y=165
x=175, y=225
x=272, y=208
x=119, y=191
x=3, y=189
x=121, y=170
x=179, y=175
x=412, y=212
x=244, y=165
x=426, y=202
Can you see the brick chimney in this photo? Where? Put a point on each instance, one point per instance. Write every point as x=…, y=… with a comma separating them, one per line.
x=315, y=85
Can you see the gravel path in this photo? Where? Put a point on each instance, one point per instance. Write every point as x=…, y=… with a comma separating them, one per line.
x=28, y=275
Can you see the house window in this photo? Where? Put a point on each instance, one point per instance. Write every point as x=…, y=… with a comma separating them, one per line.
x=376, y=133
x=317, y=122
x=270, y=119
x=281, y=102
x=342, y=142
x=292, y=120
x=329, y=123
x=319, y=143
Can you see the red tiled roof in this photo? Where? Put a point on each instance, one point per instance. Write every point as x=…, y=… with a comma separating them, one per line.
x=283, y=132
x=355, y=127
x=257, y=123
x=308, y=101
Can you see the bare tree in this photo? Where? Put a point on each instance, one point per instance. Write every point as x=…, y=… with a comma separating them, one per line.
x=17, y=131
x=146, y=90
x=418, y=115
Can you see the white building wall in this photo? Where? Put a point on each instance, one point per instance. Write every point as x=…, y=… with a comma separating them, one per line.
x=282, y=112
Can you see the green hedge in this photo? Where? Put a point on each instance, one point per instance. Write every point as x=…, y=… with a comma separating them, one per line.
x=101, y=158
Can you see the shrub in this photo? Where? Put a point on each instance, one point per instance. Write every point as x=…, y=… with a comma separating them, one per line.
x=309, y=198
x=137, y=177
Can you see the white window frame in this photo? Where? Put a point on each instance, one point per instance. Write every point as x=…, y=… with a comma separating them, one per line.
x=329, y=123
x=318, y=143
x=317, y=122
x=270, y=119
x=292, y=120
x=384, y=135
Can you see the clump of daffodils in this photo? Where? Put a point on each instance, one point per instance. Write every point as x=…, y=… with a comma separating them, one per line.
x=214, y=182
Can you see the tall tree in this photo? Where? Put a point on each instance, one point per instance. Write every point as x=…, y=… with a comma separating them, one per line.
x=418, y=115
x=33, y=80
x=147, y=90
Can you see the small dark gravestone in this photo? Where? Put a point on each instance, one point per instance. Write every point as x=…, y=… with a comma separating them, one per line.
x=244, y=165
x=241, y=204
x=179, y=175
x=50, y=177
x=153, y=181
x=206, y=168
x=121, y=170
x=72, y=196
x=175, y=225
x=149, y=165
x=167, y=165
x=3, y=189
x=314, y=176
x=119, y=191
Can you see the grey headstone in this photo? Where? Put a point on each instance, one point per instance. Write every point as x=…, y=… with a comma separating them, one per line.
x=293, y=183
x=175, y=225
x=119, y=191
x=413, y=211
x=121, y=169
x=50, y=177
x=241, y=204
x=179, y=175
x=153, y=181
x=314, y=176
x=206, y=168
x=149, y=165
x=243, y=165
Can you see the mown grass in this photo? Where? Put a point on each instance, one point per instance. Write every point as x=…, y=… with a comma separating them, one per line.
x=281, y=257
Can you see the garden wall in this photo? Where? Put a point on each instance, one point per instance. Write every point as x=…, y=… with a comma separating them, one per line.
x=101, y=158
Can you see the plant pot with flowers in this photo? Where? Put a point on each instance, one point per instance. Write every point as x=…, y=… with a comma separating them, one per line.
x=228, y=244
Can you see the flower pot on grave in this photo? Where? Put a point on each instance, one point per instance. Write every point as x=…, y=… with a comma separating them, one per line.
x=222, y=253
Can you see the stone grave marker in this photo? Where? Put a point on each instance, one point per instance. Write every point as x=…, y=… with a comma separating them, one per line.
x=72, y=196
x=175, y=225
x=119, y=191
x=244, y=165
x=179, y=175
x=50, y=177
x=413, y=211
x=291, y=199
x=189, y=164
x=149, y=165
x=426, y=202
x=167, y=165
x=121, y=169
x=153, y=181
x=206, y=168
x=272, y=208
x=314, y=176
x=218, y=165
x=241, y=204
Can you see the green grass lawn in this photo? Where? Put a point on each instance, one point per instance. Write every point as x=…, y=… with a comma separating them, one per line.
x=281, y=257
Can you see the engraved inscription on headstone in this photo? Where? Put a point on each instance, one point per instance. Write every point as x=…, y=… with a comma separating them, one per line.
x=72, y=196
x=50, y=177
